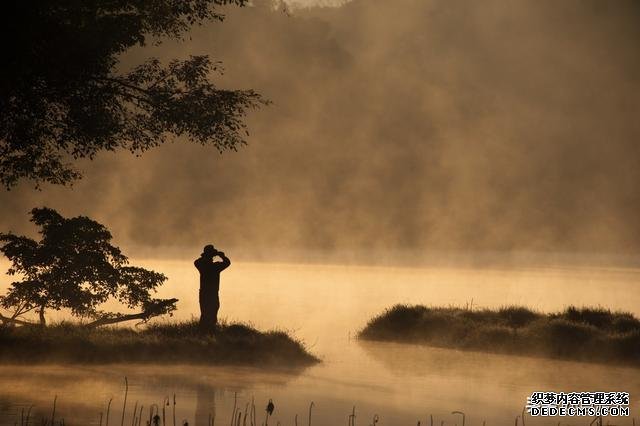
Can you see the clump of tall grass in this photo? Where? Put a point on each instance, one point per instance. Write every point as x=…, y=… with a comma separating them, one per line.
x=158, y=343
x=589, y=334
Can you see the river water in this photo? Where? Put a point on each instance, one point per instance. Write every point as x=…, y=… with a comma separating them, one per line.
x=325, y=305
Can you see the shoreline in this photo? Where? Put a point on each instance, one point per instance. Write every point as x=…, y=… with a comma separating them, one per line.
x=167, y=343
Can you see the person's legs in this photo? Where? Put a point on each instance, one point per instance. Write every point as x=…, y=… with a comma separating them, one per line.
x=205, y=309
x=215, y=306
x=209, y=305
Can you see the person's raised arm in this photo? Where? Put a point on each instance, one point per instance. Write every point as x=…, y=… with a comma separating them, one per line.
x=225, y=261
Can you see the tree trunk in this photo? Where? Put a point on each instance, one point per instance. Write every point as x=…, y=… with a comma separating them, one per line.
x=43, y=321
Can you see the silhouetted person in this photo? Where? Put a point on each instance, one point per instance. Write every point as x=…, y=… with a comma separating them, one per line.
x=209, y=285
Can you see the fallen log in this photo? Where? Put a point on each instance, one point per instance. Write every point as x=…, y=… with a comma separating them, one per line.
x=156, y=309
x=15, y=321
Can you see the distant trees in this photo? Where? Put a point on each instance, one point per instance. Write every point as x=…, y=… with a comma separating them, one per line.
x=75, y=266
x=62, y=97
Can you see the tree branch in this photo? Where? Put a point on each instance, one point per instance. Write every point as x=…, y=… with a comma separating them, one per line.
x=10, y=320
x=123, y=84
x=155, y=310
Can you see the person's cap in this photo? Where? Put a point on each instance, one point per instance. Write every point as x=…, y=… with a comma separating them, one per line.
x=209, y=249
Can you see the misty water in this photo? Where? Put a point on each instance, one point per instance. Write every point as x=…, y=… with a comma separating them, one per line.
x=324, y=306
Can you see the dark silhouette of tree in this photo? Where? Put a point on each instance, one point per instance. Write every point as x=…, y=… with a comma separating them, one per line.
x=62, y=98
x=74, y=266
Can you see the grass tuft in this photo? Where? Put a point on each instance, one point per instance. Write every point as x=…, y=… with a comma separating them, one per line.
x=587, y=334
x=175, y=342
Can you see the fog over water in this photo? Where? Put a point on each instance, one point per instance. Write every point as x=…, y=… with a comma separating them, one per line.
x=325, y=306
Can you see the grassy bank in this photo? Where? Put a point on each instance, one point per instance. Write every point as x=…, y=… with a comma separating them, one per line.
x=161, y=343
x=587, y=334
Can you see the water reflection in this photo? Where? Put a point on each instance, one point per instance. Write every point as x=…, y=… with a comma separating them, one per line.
x=205, y=405
x=493, y=385
x=83, y=393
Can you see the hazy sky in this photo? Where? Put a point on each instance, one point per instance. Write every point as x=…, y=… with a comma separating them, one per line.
x=396, y=125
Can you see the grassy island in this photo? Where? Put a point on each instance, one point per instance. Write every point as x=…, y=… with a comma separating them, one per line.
x=585, y=334
x=157, y=343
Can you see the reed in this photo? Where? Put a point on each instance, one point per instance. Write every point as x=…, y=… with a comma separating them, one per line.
x=235, y=403
x=174, y=409
x=108, y=409
x=239, y=417
x=154, y=419
x=352, y=417
x=460, y=413
x=124, y=404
